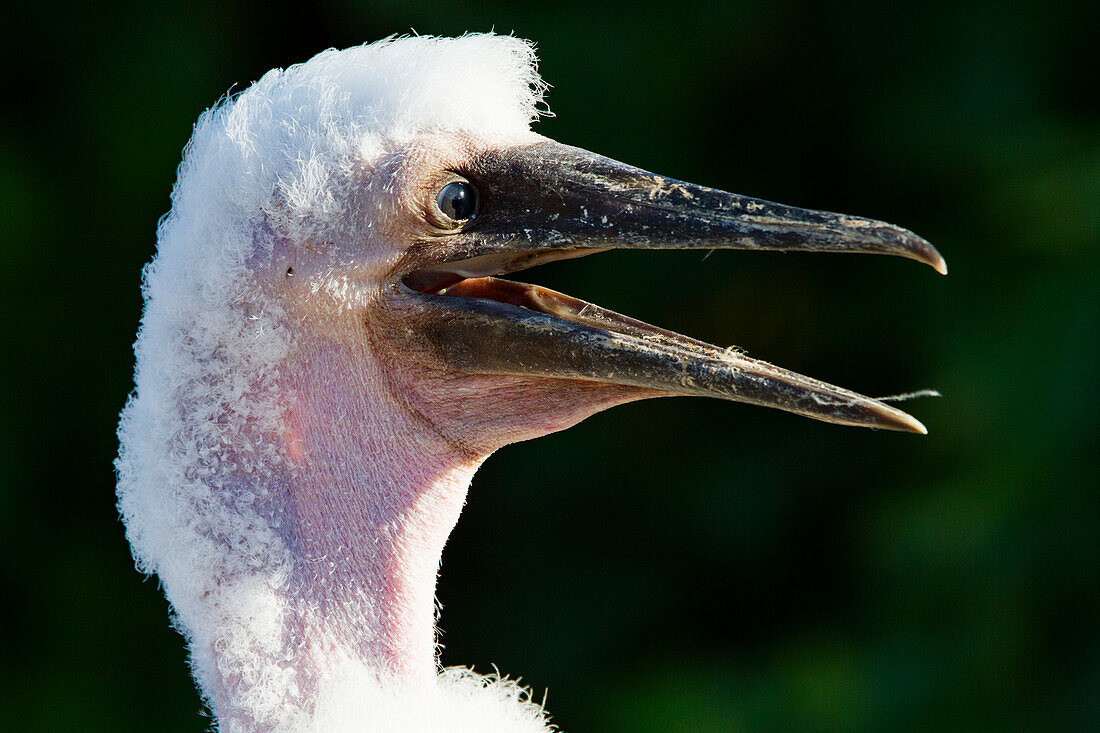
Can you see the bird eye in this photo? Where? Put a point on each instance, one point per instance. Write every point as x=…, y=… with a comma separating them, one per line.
x=458, y=200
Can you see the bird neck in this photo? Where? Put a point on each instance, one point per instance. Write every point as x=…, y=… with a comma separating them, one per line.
x=376, y=492
x=373, y=491
x=367, y=543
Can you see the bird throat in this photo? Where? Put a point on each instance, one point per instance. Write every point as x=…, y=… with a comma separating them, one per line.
x=375, y=492
x=369, y=493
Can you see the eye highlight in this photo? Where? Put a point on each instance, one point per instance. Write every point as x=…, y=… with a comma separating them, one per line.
x=458, y=200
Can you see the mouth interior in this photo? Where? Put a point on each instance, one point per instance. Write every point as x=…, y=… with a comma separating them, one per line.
x=474, y=278
x=534, y=297
x=521, y=295
x=514, y=293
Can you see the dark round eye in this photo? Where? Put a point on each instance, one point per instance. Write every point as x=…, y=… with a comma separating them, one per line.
x=458, y=200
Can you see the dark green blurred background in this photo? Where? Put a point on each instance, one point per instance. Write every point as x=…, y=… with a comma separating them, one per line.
x=677, y=565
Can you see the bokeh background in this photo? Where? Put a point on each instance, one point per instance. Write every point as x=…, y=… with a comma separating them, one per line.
x=678, y=565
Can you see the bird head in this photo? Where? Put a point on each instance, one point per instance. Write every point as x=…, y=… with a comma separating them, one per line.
x=392, y=210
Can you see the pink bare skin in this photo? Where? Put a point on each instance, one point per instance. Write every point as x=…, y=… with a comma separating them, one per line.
x=368, y=532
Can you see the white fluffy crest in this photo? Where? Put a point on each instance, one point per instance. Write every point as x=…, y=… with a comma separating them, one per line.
x=300, y=126
x=198, y=469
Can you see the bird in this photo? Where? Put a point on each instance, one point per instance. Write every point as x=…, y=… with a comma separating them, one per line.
x=329, y=350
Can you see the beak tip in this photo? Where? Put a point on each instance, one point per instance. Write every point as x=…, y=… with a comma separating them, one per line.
x=923, y=251
x=939, y=264
x=904, y=422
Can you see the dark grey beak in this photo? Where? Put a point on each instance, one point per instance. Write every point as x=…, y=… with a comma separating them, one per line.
x=549, y=201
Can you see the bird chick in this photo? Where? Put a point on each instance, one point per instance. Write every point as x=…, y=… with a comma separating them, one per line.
x=326, y=356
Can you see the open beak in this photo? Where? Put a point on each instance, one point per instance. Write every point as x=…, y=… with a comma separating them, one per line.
x=549, y=201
